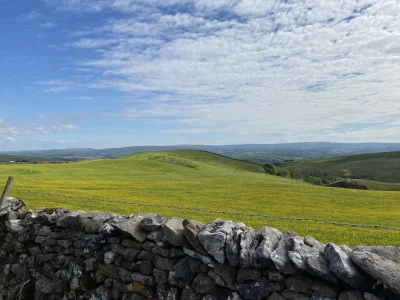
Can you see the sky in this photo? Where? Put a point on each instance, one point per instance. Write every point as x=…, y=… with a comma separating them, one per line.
x=112, y=73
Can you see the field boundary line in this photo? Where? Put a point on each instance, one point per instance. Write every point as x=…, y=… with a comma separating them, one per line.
x=207, y=210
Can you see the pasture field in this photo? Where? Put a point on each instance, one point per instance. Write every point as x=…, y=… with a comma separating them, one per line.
x=191, y=178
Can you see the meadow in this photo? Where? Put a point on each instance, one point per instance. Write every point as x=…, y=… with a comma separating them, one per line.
x=199, y=179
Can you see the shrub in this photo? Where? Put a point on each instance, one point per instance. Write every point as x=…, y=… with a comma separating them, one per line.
x=270, y=168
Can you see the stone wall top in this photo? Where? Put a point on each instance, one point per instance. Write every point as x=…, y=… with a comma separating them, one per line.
x=63, y=254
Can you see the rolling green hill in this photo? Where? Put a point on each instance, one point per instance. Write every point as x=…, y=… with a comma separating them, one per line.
x=198, y=179
x=378, y=171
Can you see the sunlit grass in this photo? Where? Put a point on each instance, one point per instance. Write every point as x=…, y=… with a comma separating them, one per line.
x=198, y=179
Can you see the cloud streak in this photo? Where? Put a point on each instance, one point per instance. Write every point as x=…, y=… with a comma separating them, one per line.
x=294, y=69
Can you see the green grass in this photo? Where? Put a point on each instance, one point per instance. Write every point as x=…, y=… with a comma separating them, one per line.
x=192, y=178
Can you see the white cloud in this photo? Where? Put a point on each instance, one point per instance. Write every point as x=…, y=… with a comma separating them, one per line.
x=292, y=69
x=31, y=16
x=10, y=139
x=20, y=128
x=54, y=86
x=47, y=25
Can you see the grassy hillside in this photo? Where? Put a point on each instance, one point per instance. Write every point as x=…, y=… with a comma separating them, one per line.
x=203, y=180
x=373, y=169
x=379, y=186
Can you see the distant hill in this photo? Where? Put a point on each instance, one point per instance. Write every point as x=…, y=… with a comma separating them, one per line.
x=20, y=159
x=258, y=153
x=380, y=171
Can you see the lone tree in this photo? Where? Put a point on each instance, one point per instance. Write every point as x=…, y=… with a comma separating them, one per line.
x=270, y=168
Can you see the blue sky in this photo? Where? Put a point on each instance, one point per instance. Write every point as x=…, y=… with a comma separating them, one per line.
x=110, y=73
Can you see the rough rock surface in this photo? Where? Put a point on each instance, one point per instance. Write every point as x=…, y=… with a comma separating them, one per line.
x=173, y=231
x=257, y=247
x=341, y=264
x=280, y=256
x=213, y=238
x=132, y=227
x=191, y=231
x=381, y=262
x=59, y=254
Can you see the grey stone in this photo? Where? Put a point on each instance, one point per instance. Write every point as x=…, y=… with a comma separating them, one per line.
x=189, y=294
x=21, y=271
x=44, y=284
x=69, y=220
x=180, y=274
x=209, y=297
x=299, y=284
x=146, y=267
x=40, y=239
x=161, y=251
x=41, y=230
x=227, y=273
x=145, y=255
x=109, y=257
x=143, y=279
x=381, y=262
x=275, y=296
x=152, y=222
x=93, y=221
x=234, y=296
x=290, y=295
x=177, y=253
x=307, y=254
x=213, y=237
x=246, y=274
x=280, y=256
x=90, y=264
x=217, y=279
x=114, y=240
x=16, y=226
x=232, y=244
x=341, y=264
x=132, y=228
x=266, y=241
x=44, y=257
x=369, y=296
x=110, y=271
x=167, y=292
x=191, y=231
x=273, y=287
x=274, y=275
x=64, y=243
x=157, y=237
x=351, y=295
x=160, y=276
x=325, y=289
x=203, y=284
x=131, y=244
x=163, y=263
x=251, y=291
x=173, y=232
x=75, y=284
x=316, y=296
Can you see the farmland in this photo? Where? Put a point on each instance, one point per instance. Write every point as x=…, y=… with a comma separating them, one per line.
x=197, y=179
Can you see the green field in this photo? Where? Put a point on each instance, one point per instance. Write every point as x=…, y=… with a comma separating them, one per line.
x=199, y=179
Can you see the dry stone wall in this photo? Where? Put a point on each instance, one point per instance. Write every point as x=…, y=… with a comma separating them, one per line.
x=59, y=254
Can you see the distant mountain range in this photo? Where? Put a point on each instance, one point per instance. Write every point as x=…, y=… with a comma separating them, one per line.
x=250, y=152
